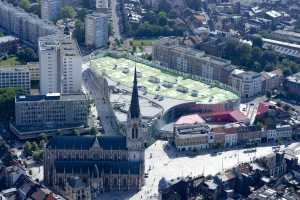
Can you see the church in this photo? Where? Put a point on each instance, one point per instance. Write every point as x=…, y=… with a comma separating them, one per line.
x=82, y=167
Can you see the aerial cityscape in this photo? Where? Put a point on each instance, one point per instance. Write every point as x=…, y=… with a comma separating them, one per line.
x=149, y=100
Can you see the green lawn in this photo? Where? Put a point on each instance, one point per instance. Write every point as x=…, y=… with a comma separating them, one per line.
x=11, y=61
x=139, y=43
x=206, y=93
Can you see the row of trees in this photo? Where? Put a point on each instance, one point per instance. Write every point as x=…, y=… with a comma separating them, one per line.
x=32, y=6
x=152, y=30
x=156, y=22
x=7, y=103
x=35, y=148
x=256, y=58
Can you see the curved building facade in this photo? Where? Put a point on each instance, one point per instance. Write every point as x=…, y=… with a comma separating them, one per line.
x=177, y=111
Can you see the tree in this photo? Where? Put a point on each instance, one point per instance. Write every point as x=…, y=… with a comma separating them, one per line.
x=28, y=148
x=35, y=146
x=68, y=12
x=150, y=17
x=93, y=131
x=25, y=4
x=286, y=107
x=26, y=55
x=76, y=132
x=164, y=6
x=82, y=13
x=7, y=103
x=244, y=51
x=36, y=8
x=162, y=19
x=44, y=137
x=78, y=33
x=257, y=41
x=37, y=155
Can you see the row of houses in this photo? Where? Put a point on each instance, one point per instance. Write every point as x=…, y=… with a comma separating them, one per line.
x=17, y=185
x=170, y=54
x=197, y=137
x=198, y=132
x=265, y=178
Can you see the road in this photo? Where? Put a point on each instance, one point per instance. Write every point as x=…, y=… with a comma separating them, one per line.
x=105, y=112
x=115, y=19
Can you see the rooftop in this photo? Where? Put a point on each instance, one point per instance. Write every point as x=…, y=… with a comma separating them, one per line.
x=286, y=44
x=190, y=119
x=168, y=84
x=294, y=78
x=86, y=142
x=288, y=33
x=50, y=97
x=18, y=68
x=97, y=166
x=8, y=38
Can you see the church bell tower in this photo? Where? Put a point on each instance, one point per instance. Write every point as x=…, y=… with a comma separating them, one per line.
x=135, y=133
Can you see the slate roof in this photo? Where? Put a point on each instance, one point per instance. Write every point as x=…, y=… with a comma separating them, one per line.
x=134, y=108
x=107, y=166
x=86, y=142
x=76, y=182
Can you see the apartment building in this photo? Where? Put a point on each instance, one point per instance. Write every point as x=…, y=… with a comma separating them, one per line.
x=287, y=36
x=102, y=5
x=34, y=70
x=271, y=80
x=192, y=137
x=247, y=83
x=96, y=30
x=51, y=9
x=292, y=85
x=170, y=54
x=15, y=77
x=60, y=65
x=26, y=26
x=51, y=111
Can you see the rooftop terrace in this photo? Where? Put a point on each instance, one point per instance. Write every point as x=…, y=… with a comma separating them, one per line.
x=158, y=82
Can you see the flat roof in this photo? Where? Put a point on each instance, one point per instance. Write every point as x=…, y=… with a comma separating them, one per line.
x=287, y=44
x=50, y=97
x=294, y=78
x=288, y=33
x=7, y=38
x=121, y=70
x=16, y=68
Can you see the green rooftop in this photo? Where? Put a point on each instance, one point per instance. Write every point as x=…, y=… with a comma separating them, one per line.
x=121, y=70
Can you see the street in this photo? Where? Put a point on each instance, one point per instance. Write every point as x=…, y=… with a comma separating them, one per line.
x=115, y=20
x=105, y=112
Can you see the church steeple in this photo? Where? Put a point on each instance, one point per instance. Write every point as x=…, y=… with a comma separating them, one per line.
x=134, y=109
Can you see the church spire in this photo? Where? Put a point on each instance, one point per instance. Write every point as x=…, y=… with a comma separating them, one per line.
x=134, y=108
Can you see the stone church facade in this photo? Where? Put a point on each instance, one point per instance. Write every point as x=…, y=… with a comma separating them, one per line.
x=82, y=167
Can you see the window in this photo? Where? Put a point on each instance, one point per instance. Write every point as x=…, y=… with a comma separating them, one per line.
x=134, y=133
